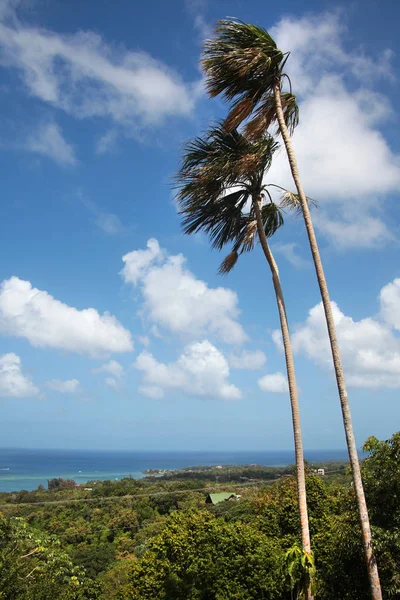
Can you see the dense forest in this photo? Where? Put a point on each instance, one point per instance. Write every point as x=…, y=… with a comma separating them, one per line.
x=158, y=538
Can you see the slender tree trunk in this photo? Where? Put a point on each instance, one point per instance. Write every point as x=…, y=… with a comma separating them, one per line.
x=372, y=568
x=294, y=401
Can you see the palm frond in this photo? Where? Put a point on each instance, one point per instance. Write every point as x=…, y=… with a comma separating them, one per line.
x=265, y=116
x=291, y=201
x=223, y=220
x=239, y=111
x=220, y=160
x=272, y=218
x=219, y=172
x=290, y=111
x=248, y=238
x=228, y=263
x=240, y=58
x=257, y=126
x=242, y=63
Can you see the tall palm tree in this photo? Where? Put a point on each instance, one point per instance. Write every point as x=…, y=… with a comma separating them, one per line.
x=243, y=64
x=221, y=192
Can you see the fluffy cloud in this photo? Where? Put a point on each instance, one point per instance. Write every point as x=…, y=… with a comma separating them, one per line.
x=116, y=370
x=70, y=386
x=337, y=137
x=49, y=141
x=48, y=323
x=370, y=349
x=324, y=33
x=13, y=383
x=201, y=370
x=247, y=359
x=343, y=157
x=352, y=232
x=113, y=367
x=389, y=298
x=274, y=382
x=179, y=302
x=84, y=76
x=138, y=262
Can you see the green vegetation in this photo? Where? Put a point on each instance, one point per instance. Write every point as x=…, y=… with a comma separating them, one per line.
x=158, y=539
x=245, y=473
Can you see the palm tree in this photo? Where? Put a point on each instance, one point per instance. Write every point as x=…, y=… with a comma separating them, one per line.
x=221, y=192
x=243, y=64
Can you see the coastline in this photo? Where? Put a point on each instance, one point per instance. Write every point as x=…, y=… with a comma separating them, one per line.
x=29, y=469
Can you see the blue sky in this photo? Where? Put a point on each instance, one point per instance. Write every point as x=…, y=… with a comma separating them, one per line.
x=115, y=329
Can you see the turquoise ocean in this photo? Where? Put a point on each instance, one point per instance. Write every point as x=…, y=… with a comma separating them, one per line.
x=22, y=469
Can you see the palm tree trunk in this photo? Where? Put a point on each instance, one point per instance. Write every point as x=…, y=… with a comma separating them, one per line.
x=372, y=567
x=294, y=401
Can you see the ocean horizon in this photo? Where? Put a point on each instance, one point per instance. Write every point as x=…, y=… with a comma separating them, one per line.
x=25, y=469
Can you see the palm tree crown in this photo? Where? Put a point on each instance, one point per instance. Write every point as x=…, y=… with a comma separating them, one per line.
x=220, y=172
x=242, y=63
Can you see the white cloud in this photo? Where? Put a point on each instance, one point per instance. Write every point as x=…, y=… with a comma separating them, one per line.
x=84, y=76
x=138, y=262
x=364, y=232
x=389, y=298
x=316, y=43
x=369, y=348
x=289, y=252
x=274, y=382
x=176, y=300
x=13, y=383
x=113, y=367
x=247, y=359
x=201, y=370
x=341, y=154
x=343, y=158
x=70, y=386
x=49, y=141
x=46, y=322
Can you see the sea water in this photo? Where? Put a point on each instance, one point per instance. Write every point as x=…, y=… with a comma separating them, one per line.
x=22, y=469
